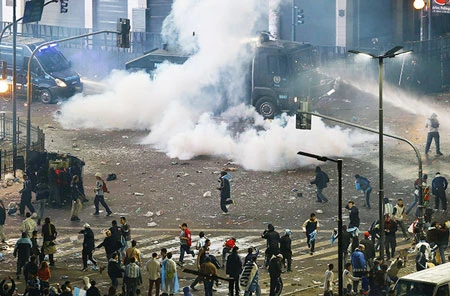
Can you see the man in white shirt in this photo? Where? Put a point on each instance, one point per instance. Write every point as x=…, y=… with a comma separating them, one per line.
x=328, y=281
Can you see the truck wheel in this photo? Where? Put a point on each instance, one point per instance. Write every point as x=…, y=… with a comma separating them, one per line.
x=45, y=96
x=266, y=107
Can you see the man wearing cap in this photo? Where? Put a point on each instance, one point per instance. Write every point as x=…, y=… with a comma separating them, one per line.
x=88, y=246
x=285, y=249
x=276, y=285
x=225, y=194
x=100, y=195
x=432, y=124
x=369, y=251
x=438, y=187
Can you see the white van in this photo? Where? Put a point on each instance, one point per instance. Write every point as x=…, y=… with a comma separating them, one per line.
x=428, y=282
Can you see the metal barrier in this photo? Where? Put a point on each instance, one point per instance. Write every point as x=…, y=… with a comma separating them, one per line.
x=6, y=137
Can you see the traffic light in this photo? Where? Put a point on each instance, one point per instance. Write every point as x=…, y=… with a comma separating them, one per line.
x=123, y=37
x=303, y=120
x=300, y=17
x=64, y=6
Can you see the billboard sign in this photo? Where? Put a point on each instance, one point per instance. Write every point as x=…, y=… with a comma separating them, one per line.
x=441, y=6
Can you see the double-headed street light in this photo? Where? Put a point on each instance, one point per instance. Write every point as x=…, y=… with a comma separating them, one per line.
x=392, y=53
x=340, y=245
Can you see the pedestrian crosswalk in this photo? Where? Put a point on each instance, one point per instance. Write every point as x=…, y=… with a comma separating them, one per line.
x=305, y=266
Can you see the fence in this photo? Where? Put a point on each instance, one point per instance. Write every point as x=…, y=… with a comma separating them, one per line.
x=7, y=160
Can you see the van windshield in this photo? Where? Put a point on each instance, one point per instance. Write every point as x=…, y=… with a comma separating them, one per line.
x=412, y=288
x=52, y=60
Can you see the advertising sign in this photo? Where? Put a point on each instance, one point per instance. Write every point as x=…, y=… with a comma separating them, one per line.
x=441, y=6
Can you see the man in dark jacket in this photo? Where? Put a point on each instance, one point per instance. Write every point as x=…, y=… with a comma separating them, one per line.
x=233, y=270
x=2, y=221
x=110, y=244
x=286, y=250
x=276, y=285
x=369, y=249
x=93, y=290
x=363, y=184
x=30, y=268
x=225, y=194
x=25, y=198
x=353, y=214
x=320, y=181
x=390, y=228
x=311, y=228
x=88, y=246
x=114, y=270
x=22, y=251
x=438, y=187
x=273, y=242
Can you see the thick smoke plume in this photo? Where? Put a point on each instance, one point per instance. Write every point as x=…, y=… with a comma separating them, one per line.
x=183, y=105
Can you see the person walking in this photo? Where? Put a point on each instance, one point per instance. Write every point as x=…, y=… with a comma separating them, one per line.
x=286, y=250
x=311, y=228
x=328, y=281
x=154, y=275
x=438, y=187
x=88, y=246
x=77, y=198
x=417, y=187
x=110, y=244
x=22, y=250
x=25, y=198
x=276, y=284
x=225, y=192
x=321, y=180
x=399, y=216
x=115, y=271
x=29, y=224
x=209, y=274
x=2, y=222
x=201, y=256
x=185, y=243
x=233, y=270
x=273, y=243
x=353, y=214
x=42, y=195
x=100, y=189
x=390, y=228
x=363, y=184
x=228, y=245
x=125, y=230
x=44, y=275
x=49, y=234
x=31, y=267
x=432, y=124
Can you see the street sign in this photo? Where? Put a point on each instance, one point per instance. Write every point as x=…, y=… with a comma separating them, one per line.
x=33, y=11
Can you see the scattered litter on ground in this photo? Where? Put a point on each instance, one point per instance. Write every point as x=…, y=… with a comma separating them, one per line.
x=207, y=194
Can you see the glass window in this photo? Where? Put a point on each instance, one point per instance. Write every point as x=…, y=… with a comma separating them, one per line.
x=411, y=288
x=443, y=291
x=277, y=65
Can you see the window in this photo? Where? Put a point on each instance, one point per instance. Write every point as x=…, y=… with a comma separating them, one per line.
x=277, y=65
x=442, y=291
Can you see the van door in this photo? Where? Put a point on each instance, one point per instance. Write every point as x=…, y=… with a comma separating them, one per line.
x=443, y=291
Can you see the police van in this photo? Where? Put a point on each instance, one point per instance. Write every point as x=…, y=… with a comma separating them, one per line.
x=51, y=72
x=428, y=282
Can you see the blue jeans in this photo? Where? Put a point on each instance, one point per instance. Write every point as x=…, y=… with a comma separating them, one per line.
x=183, y=249
x=442, y=249
x=413, y=204
x=40, y=212
x=367, y=195
x=100, y=199
x=320, y=196
x=208, y=287
x=430, y=137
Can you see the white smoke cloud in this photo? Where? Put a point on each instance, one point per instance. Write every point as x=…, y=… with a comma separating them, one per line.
x=180, y=105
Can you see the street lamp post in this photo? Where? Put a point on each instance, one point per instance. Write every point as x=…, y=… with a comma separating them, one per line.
x=389, y=54
x=340, y=246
